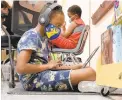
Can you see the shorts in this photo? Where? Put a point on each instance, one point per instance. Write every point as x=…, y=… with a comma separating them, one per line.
x=48, y=81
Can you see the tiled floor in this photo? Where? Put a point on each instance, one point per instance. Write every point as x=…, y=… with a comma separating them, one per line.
x=68, y=97
x=5, y=96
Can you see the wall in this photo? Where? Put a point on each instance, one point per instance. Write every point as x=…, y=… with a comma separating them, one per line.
x=10, y=2
x=98, y=29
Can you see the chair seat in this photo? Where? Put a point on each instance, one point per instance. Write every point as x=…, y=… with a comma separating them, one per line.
x=4, y=45
x=14, y=41
x=64, y=50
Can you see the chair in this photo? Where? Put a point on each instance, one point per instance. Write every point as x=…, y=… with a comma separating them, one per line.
x=23, y=19
x=71, y=53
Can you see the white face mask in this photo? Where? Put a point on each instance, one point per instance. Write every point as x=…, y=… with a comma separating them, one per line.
x=70, y=19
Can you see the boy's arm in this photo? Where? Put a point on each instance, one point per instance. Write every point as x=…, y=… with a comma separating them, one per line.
x=70, y=29
x=73, y=67
x=23, y=67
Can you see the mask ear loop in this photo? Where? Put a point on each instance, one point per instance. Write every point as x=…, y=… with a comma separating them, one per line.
x=72, y=17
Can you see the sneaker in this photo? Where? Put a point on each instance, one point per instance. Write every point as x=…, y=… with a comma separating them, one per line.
x=89, y=86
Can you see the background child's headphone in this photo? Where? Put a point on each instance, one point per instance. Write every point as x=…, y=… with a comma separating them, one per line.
x=44, y=17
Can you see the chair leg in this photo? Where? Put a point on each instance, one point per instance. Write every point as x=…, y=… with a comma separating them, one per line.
x=1, y=62
x=12, y=82
x=65, y=60
x=62, y=56
x=76, y=59
x=6, y=61
x=73, y=60
x=2, y=75
x=71, y=57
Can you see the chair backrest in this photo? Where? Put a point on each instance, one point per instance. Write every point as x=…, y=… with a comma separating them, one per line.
x=25, y=15
x=82, y=40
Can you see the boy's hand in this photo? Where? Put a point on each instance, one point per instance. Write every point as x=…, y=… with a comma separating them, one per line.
x=64, y=26
x=54, y=63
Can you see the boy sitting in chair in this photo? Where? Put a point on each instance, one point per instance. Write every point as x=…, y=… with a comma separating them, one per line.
x=66, y=39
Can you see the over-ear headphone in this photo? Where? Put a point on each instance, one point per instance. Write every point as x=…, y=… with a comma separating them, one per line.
x=44, y=17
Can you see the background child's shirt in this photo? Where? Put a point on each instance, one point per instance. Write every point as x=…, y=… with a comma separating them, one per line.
x=54, y=34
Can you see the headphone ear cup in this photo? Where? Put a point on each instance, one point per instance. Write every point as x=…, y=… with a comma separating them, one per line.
x=44, y=18
x=47, y=21
x=41, y=20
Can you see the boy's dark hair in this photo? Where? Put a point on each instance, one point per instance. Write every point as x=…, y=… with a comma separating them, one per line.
x=75, y=9
x=55, y=11
x=4, y=4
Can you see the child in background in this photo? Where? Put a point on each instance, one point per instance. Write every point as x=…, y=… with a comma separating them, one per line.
x=67, y=39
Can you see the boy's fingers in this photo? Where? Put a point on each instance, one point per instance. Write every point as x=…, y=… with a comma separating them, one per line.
x=59, y=63
x=58, y=60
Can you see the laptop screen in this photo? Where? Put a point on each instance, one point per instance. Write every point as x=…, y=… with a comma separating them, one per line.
x=90, y=57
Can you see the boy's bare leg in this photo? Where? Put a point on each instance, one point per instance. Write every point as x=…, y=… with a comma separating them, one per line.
x=85, y=74
x=79, y=74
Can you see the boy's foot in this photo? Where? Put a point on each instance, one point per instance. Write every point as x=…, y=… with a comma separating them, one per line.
x=89, y=86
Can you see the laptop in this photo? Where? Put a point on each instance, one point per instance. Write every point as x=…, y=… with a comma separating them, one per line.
x=90, y=57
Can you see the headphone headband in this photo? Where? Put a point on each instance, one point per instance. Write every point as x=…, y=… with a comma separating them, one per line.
x=44, y=17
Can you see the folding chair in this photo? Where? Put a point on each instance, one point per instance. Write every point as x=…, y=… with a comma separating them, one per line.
x=71, y=53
